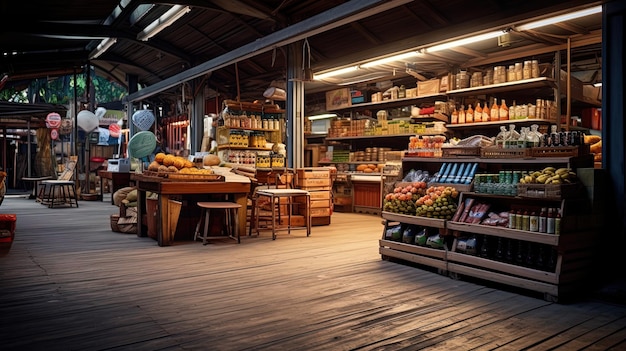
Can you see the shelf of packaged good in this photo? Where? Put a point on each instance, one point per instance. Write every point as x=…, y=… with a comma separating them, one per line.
x=391, y=103
x=574, y=247
x=524, y=121
x=518, y=85
x=427, y=256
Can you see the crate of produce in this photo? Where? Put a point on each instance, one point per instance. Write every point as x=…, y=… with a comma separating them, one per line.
x=560, y=151
x=7, y=230
x=497, y=152
x=460, y=151
x=550, y=191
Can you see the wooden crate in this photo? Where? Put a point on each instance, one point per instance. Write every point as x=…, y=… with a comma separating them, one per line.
x=306, y=183
x=551, y=191
x=319, y=195
x=560, y=151
x=460, y=151
x=313, y=172
x=497, y=152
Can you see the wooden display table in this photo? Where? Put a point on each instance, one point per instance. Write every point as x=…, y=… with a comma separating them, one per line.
x=235, y=187
x=118, y=180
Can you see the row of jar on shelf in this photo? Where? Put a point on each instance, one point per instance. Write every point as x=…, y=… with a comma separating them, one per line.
x=370, y=127
x=258, y=159
x=499, y=74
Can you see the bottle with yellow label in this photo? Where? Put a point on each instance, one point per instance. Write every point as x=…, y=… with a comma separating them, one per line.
x=486, y=112
x=454, y=117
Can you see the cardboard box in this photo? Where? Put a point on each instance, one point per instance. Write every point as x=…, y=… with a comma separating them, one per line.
x=429, y=87
x=338, y=99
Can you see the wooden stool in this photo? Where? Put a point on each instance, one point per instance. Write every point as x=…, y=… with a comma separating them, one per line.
x=289, y=198
x=231, y=218
x=65, y=189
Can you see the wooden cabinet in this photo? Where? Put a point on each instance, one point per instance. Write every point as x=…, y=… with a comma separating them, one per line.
x=560, y=264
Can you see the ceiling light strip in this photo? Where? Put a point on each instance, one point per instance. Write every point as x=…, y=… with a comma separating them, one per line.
x=561, y=18
x=104, y=45
x=166, y=20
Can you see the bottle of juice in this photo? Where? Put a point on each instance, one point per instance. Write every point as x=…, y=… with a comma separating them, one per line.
x=478, y=113
x=469, y=114
x=503, y=112
x=462, y=115
x=486, y=112
x=495, y=111
x=454, y=117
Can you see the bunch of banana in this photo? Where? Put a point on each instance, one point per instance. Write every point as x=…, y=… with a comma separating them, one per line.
x=550, y=175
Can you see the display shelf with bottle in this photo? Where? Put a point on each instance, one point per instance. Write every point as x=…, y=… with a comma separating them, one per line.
x=564, y=244
x=529, y=242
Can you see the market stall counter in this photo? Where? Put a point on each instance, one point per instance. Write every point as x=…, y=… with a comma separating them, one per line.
x=229, y=186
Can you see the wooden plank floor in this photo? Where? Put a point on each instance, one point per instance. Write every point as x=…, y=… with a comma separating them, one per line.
x=70, y=283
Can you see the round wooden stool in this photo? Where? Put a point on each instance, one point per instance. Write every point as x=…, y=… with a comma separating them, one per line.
x=232, y=223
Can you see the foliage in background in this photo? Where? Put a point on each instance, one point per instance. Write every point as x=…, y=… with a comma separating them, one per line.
x=61, y=90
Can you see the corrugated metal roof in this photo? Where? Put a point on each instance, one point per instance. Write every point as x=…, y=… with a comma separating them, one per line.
x=55, y=37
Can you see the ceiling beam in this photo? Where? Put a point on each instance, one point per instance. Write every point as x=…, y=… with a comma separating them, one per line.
x=327, y=20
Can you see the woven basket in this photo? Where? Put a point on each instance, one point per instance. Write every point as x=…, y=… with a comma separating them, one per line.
x=114, y=226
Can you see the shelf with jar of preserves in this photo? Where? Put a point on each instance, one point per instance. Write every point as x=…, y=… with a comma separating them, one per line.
x=247, y=134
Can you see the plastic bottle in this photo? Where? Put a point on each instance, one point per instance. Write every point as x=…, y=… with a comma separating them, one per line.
x=503, y=112
x=469, y=114
x=495, y=111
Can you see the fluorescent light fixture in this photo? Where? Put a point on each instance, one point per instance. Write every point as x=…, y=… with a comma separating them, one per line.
x=336, y=72
x=597, y=85
x=104, y=45
x=394, y=58
x=465, y=41
x=561, y=18
x=322, y=116
x=166, y=20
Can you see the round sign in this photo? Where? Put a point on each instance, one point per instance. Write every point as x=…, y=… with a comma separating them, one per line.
x=53, y=120
x=54, y=134
x=142, y=144
x=143, y=119
x=114, y=130
x=87, y=121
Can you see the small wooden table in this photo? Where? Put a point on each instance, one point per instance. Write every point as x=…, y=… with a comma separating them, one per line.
x=118, y=180
x=237, y=189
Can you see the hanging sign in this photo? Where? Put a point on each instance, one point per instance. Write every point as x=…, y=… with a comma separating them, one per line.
x=53, y=120
x=54, y=134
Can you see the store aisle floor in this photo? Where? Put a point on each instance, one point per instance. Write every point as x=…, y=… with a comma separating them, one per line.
x=70, y=283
